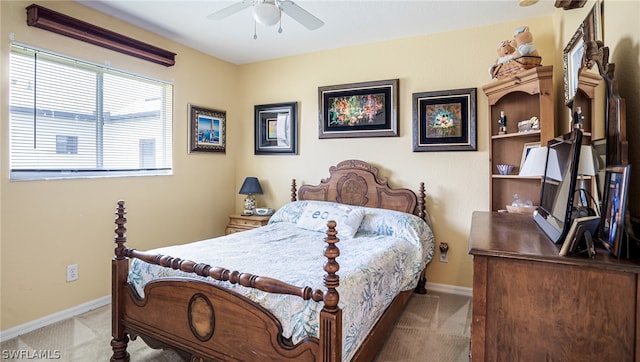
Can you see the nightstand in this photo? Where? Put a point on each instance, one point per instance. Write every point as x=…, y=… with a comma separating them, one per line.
x=241, y=223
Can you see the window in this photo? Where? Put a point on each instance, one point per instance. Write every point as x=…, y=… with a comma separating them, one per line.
x=70, y=118
x=67, y=144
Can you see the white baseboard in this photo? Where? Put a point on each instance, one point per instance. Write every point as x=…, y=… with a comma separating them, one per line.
x=53, y=318
x=446, y=288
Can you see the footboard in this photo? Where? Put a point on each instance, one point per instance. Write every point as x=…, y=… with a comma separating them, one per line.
x=202, y=321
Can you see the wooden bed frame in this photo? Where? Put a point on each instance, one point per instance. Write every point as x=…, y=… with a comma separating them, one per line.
x=204, y=322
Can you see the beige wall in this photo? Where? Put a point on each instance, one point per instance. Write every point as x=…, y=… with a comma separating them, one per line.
x=45, y=223
x=622, y=35
x=456, y=182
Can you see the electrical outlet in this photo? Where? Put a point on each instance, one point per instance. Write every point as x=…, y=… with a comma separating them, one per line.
x=444, y=257
x=72, y=272
x=444, y=252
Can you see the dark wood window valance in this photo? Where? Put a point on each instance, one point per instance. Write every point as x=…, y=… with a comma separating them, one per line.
x=56, y=22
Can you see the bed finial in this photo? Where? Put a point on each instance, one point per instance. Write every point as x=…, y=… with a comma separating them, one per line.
x=294, y=191
x=119, y=272
x=422, y=213
x=120, y=230
x=331, y=279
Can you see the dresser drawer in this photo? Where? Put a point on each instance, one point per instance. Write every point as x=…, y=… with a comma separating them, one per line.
x=247, y=220
x=241, y=223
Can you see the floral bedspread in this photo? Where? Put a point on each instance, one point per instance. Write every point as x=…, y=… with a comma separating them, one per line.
x=386, y=256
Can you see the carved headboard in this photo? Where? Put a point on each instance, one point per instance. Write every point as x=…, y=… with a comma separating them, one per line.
x=356, y=182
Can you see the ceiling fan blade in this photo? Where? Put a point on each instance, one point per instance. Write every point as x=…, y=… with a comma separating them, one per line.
x=230, y=10
x=300, y=15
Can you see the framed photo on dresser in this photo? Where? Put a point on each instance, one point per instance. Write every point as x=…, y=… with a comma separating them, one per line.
x=611, y=230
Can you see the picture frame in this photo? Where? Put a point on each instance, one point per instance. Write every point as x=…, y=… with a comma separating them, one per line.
x=445, y=120
x=573, y=55
x=207, y=129
x=365, y=109
x=600, y=153
x=276, y=128
x=612, y=229
x=593, y=23
x=527, y=147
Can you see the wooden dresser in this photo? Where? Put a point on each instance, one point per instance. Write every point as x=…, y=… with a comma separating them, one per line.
x=530, y=304
x=242, y=223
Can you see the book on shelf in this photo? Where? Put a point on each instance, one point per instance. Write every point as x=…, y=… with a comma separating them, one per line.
x=576, y=234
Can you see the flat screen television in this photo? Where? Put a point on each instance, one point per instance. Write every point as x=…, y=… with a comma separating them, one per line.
x=559, y=185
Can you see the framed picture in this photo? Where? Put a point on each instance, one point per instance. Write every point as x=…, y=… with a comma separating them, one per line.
x=611, y=229
x=573, y=61
x=276, y=128
x=593, y=23
x=525, y=151
x=208, y=129
x=600, y=153
x=445, y=120
x=367, y=109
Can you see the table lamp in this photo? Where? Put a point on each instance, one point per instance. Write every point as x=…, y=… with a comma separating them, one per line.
x=250, y=186
x=586, y=167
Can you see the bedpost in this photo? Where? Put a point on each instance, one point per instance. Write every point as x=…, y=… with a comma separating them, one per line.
x=421, y=202
x=294, y=191
x=331, y=314
x=422, y=213
x=119, y=271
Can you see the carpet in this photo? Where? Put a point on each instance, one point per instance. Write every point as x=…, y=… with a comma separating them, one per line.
x=433, y=327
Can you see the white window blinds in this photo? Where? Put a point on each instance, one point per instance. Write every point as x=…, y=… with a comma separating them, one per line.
x=70, y=118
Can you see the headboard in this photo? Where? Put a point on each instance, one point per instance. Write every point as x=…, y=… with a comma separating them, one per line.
x=356, y=182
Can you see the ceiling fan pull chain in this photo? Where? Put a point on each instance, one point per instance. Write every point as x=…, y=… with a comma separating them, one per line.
x=280, y=26
x=255, y=34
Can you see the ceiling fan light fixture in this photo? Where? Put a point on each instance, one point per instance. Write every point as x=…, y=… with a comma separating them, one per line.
x=527, y=2
x=266, y=13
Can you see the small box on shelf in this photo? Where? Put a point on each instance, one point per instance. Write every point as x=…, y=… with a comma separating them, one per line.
x=529, y=125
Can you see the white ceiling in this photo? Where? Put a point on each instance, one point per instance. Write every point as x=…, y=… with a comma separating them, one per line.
x=347, y=23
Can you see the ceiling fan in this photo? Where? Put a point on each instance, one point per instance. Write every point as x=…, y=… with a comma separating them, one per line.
x=269, y=12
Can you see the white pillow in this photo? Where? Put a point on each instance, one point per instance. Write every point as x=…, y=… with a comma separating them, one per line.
x=316, y=215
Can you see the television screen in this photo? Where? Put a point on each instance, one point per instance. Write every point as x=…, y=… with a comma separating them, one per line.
x=558, y=185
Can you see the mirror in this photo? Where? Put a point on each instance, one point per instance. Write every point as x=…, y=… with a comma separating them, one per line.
x=573, y=63
x=591, y=93
x=585, y=91
x=615, y=124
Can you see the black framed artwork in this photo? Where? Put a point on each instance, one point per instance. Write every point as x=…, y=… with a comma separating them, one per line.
x=445, y=120
x=276, y=128
x=366, y=109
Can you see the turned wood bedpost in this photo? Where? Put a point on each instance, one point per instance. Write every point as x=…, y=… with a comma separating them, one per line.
x=422, y=213
x=294, y=190
x=119, y=271
x=331, y=314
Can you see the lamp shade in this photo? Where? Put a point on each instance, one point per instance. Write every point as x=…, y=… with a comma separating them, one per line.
x=251, y=186
x=266, y=13
x=586, y=165
x=534, y=163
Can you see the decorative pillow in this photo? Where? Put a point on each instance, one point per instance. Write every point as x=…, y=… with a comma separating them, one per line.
x=315, y=216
